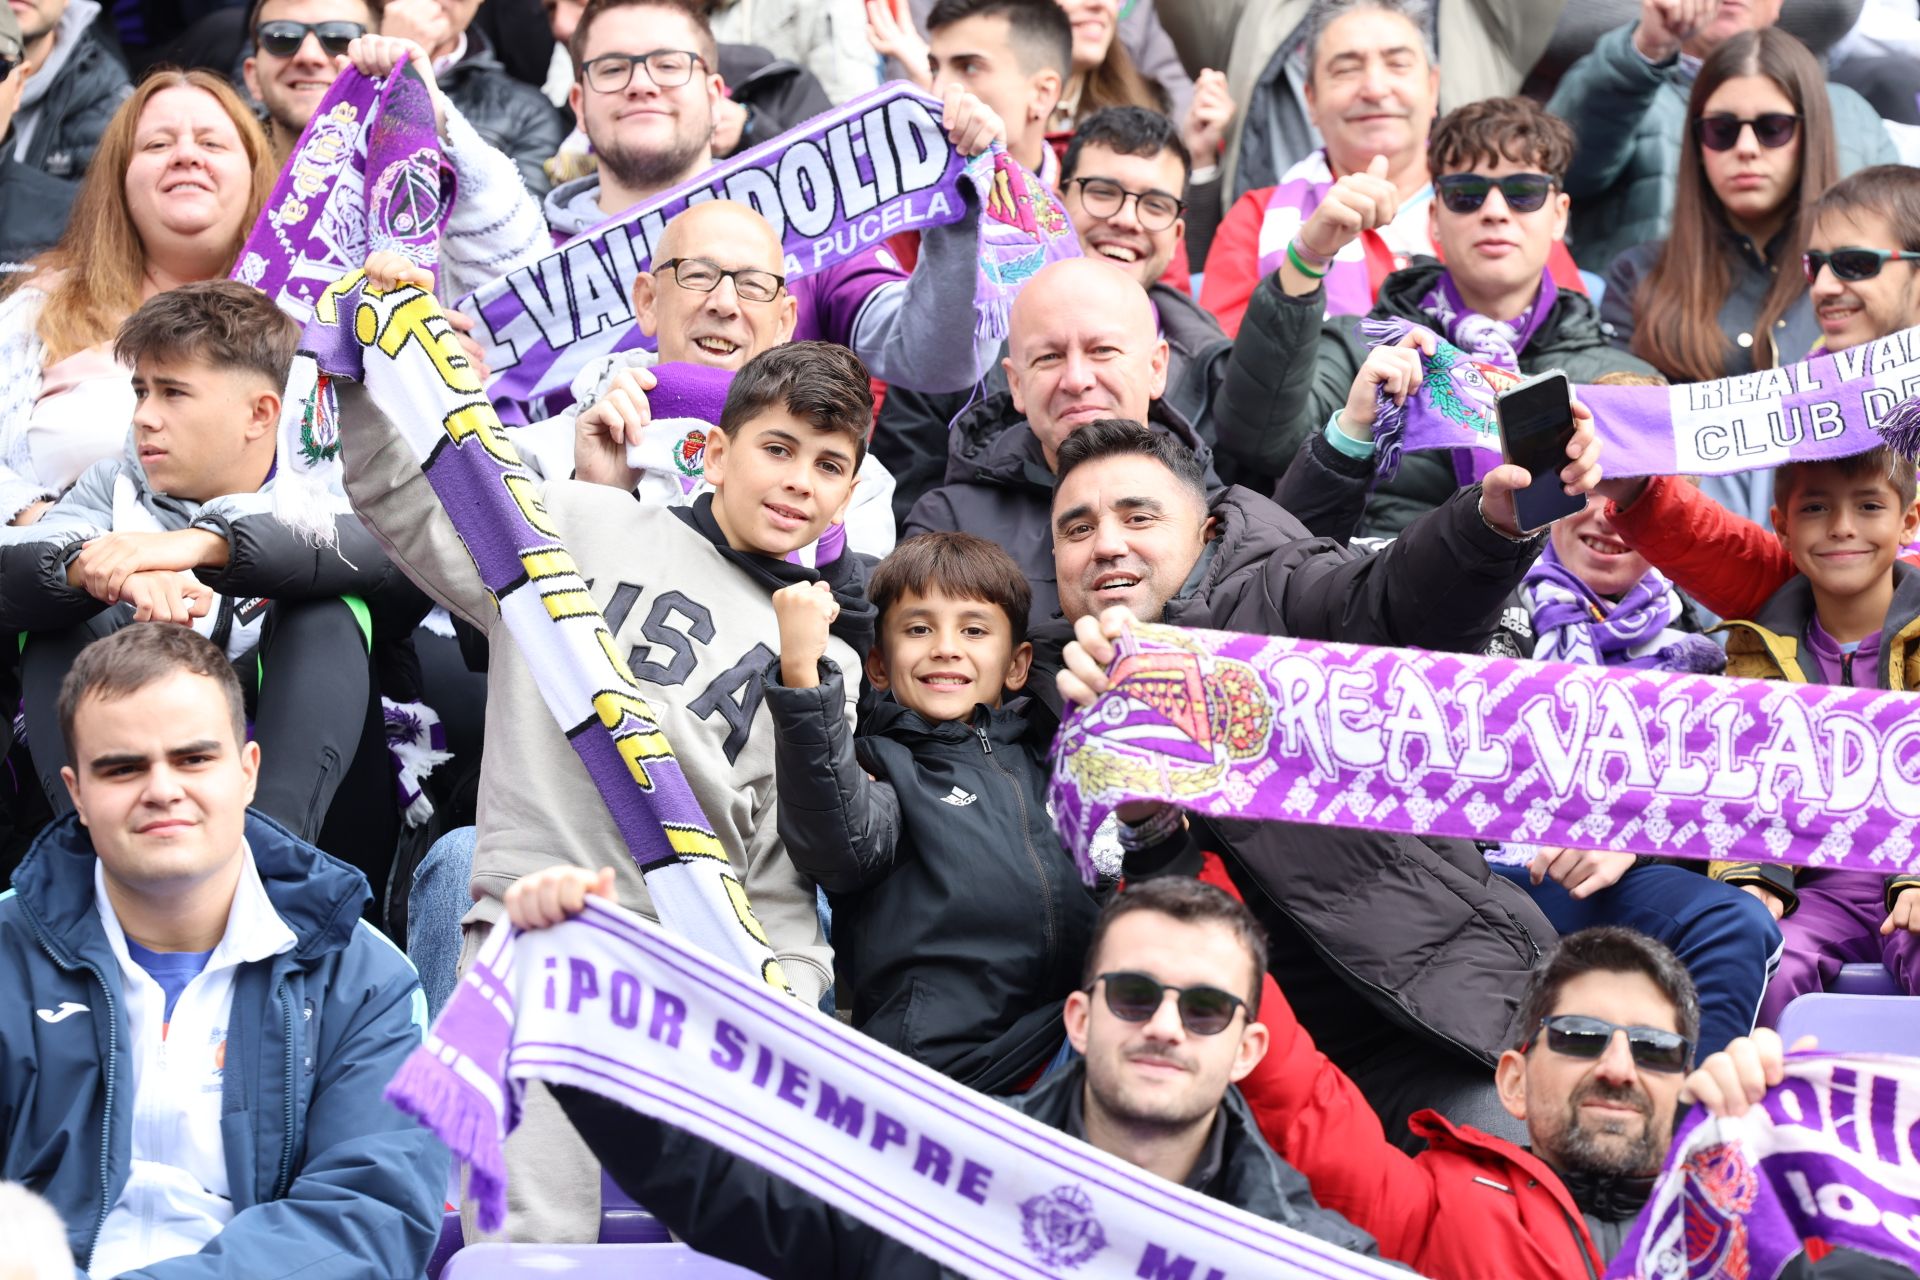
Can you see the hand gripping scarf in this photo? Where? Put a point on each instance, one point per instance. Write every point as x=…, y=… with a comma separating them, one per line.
x=1831, y=405
x=366, y=174
x=1830, y=1159
x=1496, y=749
x=610, y=1003
x=834, y=187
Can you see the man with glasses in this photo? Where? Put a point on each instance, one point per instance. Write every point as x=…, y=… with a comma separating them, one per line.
x=73, y=85
x=1499, y=210
x=1165, y=1026
x=645, y=94
x=33, y=205
x=1627, y=103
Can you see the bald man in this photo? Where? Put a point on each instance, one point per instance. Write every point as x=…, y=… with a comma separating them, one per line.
x=1083, y=344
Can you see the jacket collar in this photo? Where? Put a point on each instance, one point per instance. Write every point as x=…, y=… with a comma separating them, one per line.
x=254, y=930
x=845, y=575
x=316, y=896
x=1780, y=625
x=992, y=443
x=1005, y=724
x=1444, y=1135
x=1247, y=531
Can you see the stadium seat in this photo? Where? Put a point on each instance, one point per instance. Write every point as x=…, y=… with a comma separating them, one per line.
x=1863, y=980
x=539, y=1261
x=1854, y=1024
x=448, y=1245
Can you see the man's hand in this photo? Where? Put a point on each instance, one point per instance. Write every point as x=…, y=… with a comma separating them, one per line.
x=389, y=270
x=1775, y=907
x=547, y=897
x=1624, y=492
x=1357, y=203
x=1905, y=913
x=971, y=124
x=1578, y=477
x=1083, y=678
x=1581, y=872
x=423, y=22
x=1731, y=1081
x=805, y=612
x=10, y=90
x=1665, y=25
x=1208, y=115
x=604, y=429
x=463, y=325
x=105, y=563
x=1395, y=370
x=892, y=38
x=161, y=595
x=375, y=57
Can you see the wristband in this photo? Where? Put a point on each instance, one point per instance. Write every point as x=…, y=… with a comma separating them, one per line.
x=1300, y=265
x=1162, y=824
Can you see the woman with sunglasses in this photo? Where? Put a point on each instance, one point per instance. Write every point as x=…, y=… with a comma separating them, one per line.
x=181, y=174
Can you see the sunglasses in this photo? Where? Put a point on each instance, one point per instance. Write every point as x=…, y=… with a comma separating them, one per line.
x=1135, y=997
x=1466, y=192
x=6, y=68
x=283, y=39
x=1578, y=1036
x=1852, y=264
x=1770, y=129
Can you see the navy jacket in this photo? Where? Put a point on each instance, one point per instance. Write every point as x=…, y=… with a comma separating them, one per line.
x=328, y=1179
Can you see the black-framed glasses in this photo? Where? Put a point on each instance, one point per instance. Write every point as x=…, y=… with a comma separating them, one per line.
x=751, y=283
x=667, y=68
x=1852, y=264
x=1103, y=198
x=1771, y=129
x=1466, y=192
x=283, y=38
x=1578, y=1036
x=1136, y=997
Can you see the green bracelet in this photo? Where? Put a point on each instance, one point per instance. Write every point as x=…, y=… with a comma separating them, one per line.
x=1300, y=265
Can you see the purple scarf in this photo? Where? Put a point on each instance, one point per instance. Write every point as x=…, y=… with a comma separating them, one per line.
x=366, y=174
x=1495, y=344
x=1573, y=624
x=833, y=188
x=1350, y=282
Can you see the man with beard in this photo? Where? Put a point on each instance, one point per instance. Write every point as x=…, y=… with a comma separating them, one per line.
x=645, y=92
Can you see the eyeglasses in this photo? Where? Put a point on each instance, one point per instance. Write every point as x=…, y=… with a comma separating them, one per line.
x=701, y=276
x=1135, y=997
x=6, y=68
x=667, y=68
x=1770, y=129
x=1466, y=192
x=1852, y=264
x=283, y=39
x=1103, y=198
x=1578, y=1036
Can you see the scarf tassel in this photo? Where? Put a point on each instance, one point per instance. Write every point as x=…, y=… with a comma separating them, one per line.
x=1389, y=418
x=428, y=1090
x=1901, y=429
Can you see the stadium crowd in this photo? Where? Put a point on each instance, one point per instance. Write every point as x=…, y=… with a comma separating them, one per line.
x=866, y=590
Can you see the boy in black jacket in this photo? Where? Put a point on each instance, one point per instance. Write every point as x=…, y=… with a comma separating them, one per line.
x=959, y=920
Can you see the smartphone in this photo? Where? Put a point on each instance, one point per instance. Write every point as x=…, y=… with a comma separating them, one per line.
x=1536, y=425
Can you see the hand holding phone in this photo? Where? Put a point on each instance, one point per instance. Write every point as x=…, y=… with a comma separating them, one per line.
x=1536, y=428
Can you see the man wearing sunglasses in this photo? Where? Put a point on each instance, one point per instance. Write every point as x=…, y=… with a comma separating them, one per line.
x=74, y=84
x=1627, y=103
x=1166, y=1021
x=1498, y=212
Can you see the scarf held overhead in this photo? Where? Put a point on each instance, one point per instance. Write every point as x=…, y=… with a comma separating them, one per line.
x=609, y=1003
x=833, y=188
x=401, y=347
x=366, y=174
x=1832, y=405
x=1496, y=749
x=1831, y=1158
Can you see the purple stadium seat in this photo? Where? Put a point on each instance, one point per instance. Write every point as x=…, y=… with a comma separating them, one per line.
x=541, y=1261
x=624, y=1222
x=448, y=1245
x=1863, y=980
x=1855, y=1024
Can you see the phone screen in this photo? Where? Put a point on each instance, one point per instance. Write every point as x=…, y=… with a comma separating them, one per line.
x=1536, y=425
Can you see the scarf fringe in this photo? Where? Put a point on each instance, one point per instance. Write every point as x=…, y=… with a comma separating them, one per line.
x=1389, y=418
x=427, y=1089
x=1901, y=429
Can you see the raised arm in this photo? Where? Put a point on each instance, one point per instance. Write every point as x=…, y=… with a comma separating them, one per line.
x=1728, y=563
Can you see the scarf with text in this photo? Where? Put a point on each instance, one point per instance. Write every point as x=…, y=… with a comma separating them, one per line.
x=1495, y=749
x=610, y=1003
x=832, y=188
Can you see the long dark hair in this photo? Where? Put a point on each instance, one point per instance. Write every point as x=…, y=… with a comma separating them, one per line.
x=1677, y=328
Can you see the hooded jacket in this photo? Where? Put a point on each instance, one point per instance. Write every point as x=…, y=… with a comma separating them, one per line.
x=34, y=207
x=1772, y=646
x=733, y=1209
x=959, y=921
x=1272, y=400
x=998, y=484
x=66, y=104
x=510, y=116
x=911, y=436
x=327, y=1179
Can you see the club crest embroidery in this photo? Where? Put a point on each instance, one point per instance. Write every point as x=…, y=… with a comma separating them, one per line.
x=691, y=454
x=406, y=199
x=1060, y=1228
x=1463, y=389
x=1721, y=1188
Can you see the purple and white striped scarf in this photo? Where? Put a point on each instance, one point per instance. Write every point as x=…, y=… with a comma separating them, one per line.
x=1573, y=624
x=1353, y=278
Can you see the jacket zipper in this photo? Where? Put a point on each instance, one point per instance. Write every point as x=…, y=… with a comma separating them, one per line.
x=280, y=1185
x=1586, y=1258
x=1026, y=837
x=113, y=1055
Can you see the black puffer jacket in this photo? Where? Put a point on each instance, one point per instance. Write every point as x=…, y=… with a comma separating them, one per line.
x=911, y=435
x=733, y=1209
x=511, y=117
x=72, y=112
x=778, y=93
x=998, y=486
x=959, y=921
